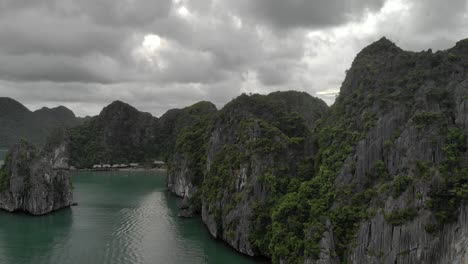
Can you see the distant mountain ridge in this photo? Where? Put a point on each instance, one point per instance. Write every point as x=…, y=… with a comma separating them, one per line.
x=18, y=122
x=122, y=134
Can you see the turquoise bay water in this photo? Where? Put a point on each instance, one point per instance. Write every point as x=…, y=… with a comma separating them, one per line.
x=121, y=217
x=3, y=153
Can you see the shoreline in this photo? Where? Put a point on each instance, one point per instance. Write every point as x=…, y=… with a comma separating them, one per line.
x=121, y=169
x=197, y=217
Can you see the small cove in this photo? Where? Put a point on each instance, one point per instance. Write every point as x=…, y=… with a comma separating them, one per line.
x=122, y=217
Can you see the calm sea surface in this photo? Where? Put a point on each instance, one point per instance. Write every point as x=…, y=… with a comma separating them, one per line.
x=2, y=155
x=122, y=217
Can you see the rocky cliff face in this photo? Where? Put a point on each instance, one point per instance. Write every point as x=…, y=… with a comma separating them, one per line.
x=418, y=141
x=406, y=172
x=186, y=164
x=35, y=182
x=381, y=177
x=258, y=145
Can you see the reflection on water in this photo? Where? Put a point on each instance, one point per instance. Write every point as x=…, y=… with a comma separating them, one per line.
x=122, y=217
x=3, y=153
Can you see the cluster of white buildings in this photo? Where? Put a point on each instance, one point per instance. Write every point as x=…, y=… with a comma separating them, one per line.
x=115, y=166
x=156, y=164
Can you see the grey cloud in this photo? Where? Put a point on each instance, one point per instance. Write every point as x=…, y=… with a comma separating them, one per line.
x=201, y=6
x=34, y=32
x=189, y=66
x=305, y=13
x=53, y=68
x=74, y=41
x=428, y=24
x=63, y=33
x=275, y=74
x=433, y=15
x=82, y=53
x=122, y=13
x=230, y=47
x=211, y=51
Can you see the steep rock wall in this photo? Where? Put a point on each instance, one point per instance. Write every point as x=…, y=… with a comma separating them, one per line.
x=414, y=157
x=258, y=144
x=35, y=182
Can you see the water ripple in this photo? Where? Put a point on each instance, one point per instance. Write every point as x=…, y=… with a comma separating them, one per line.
x=119, y=220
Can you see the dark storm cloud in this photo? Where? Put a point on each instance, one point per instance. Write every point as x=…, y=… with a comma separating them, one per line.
x=134, y=13
x=32, y=32
x=110, y=12
x=33, y=67
x=306, y=13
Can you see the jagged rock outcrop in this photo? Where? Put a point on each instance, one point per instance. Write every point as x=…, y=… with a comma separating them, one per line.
x=411, y=155
x=35, y=182
x=382, y=177
x=257, y=145
x=191, y=127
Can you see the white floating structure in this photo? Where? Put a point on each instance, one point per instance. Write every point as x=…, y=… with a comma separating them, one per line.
x=158, y=163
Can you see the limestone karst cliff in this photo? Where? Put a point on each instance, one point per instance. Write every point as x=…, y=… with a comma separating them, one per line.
x=412, y=155
x=381, y=176
x=257, y=146
x=35, y=181
x=187, y=158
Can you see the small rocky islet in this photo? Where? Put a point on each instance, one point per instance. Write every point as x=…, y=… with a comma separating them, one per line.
x=35, y=181
x=381, y=176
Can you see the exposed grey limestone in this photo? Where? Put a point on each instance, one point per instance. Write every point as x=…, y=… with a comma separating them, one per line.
x=179, y=177
x=230, y=217
x=403, y=105
x=36, y=182
x=377, y=240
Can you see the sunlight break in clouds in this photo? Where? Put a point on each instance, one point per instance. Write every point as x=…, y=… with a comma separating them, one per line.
x=149, y=49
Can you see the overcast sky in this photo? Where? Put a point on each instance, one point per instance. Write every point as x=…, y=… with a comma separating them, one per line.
x=162, y=54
